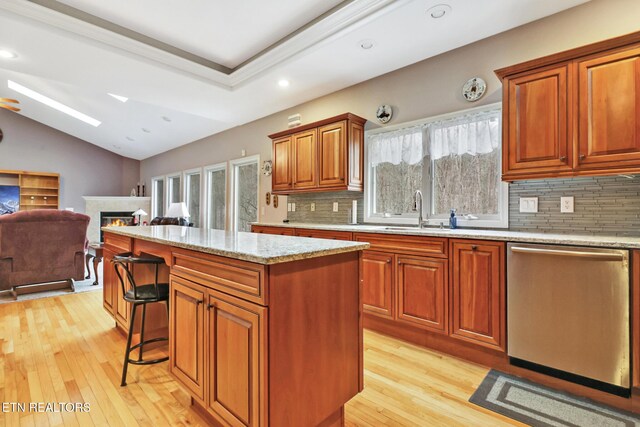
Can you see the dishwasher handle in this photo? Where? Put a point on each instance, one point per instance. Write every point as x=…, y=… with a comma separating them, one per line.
x=596, y=256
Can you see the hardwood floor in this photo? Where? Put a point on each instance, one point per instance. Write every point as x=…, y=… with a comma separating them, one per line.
x=65, y=349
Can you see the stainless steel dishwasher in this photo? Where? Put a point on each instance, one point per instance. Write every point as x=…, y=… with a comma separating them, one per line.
x=568, y=313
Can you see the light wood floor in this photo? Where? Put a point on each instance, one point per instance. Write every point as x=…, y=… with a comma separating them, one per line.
x=65, y=349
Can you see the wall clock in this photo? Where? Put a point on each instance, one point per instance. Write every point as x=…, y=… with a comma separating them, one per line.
x=267, y=167
x=384, y=113
x=473, y=89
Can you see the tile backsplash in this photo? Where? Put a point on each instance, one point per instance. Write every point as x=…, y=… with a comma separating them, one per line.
x=602, y=205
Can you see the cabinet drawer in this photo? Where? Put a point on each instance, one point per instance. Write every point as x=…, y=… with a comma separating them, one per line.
x=242, y=279
x=324, y=234
x=283, y=231
x=431, y=246
x=117, y=243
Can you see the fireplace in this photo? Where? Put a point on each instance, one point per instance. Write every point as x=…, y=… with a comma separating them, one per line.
x=115, y=219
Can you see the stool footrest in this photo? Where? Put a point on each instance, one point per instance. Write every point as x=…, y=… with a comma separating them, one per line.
x=145, y=342
x=148, y=362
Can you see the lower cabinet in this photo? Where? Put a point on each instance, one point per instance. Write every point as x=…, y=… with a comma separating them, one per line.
x=219, y=351
x=478, y=292
x=422, y=292
x=110, y=282
x=376, y=276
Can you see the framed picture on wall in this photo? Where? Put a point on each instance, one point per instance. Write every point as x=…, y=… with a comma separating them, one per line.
x=9, y=199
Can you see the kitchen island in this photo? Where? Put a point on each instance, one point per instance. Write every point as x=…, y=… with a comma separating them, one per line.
x=263, y=330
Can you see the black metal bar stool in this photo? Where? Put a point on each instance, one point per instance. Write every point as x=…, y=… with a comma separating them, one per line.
x=140, y=295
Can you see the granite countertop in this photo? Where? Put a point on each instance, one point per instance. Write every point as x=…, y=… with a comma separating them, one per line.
x=253, y=247
x=468, y=233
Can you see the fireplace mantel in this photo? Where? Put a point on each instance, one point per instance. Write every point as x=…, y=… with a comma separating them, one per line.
x=96, y=204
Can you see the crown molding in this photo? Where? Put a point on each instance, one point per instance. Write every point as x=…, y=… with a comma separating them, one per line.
x=347, y=16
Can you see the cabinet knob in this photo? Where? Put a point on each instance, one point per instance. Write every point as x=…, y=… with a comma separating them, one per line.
x=581, y=156
x=389, y=261
x=198, y=302
x=474, y=247
x=210, y=306
x=563, y=158
x=399, y=262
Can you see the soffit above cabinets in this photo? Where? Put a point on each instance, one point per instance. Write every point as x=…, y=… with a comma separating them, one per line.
x=212, y=66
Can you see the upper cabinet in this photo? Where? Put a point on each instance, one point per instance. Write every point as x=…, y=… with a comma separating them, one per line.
x=321, y=156
x=573, y=113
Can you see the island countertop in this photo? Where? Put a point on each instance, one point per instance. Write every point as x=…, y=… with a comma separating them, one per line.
x=254, y=247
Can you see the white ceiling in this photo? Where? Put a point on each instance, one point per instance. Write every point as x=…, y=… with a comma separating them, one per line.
x=78, y=63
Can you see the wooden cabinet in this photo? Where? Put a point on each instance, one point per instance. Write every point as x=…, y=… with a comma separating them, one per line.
x=38, y=190
x=109, y=282
x=478, y=292
x=324, y=234
x=235, y=346
x=573, y=113
x=283, y=231
x=281, y=164
x=422, y=285
x=538, y=122
x=609, y=110
x=321, y=156
x=377, y=278
x=304, y=160
x=186, y=334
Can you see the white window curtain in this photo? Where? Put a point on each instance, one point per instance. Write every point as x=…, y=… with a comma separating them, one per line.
x=404, y=145
x=471, y=135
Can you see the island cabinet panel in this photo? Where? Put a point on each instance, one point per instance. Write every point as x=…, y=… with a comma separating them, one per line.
x=537, y=134
x=609, y=110
x=422, y=292
x=109, y=283
x=236, y=349
x=376, y=275
x=332, y=142
x=187, y=334
x=281, y=174
x=304, y=159
x=478, y=292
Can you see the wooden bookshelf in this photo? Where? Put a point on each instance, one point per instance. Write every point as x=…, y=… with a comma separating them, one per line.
x=38, y=190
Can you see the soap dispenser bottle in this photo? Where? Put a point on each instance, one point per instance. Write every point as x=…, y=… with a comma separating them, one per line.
x=453, y=221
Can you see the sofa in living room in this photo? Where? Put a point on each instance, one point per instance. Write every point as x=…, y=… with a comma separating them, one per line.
x=42, y=246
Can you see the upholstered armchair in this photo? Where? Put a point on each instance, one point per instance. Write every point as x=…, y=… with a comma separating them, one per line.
x=41, y=246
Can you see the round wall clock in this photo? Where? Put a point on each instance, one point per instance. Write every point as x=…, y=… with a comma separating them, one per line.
x=384, y=113
x=473, y=89
x=267, y=167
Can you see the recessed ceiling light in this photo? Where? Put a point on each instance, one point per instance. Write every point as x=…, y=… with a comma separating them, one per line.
x=53, y=103
x=119, y=98
x=166, y=119
x=130, y=139
x=145, y=130
x=283, y=83
x=366, y=44
x=438, y=11
x=7, y=54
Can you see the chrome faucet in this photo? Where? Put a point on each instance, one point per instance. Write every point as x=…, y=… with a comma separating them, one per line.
x=417, y=204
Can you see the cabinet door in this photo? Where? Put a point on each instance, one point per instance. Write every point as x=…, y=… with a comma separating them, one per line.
x=538, y=139
x=332, y=141
x=186, y=334
x=477, y=292
x=235, y=356
x=609, y=110
x=305, y=152
x=422, y=292
x=281, y=175
x=122, y=309
x=376, y=274
x=356, y=157
x=110, y=283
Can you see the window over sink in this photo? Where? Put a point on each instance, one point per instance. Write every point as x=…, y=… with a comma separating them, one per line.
x=454, y=159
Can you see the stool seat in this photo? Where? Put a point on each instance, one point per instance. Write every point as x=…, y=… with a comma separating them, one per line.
x=139, y=295
x=147, y=293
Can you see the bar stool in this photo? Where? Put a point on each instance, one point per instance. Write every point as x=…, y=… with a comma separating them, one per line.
x=140, y=295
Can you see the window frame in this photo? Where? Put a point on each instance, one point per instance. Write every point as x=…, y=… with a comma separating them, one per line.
x=186, y=176
x=233, y=193
x=207, y=191
x=154, y=195
x=169, y=188
x=411, y=218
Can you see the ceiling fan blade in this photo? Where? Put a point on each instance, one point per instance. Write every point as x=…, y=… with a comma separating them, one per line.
x=9, y=107
x=11, y=100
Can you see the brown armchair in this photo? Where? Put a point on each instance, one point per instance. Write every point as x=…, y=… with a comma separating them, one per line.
x=41, y=246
